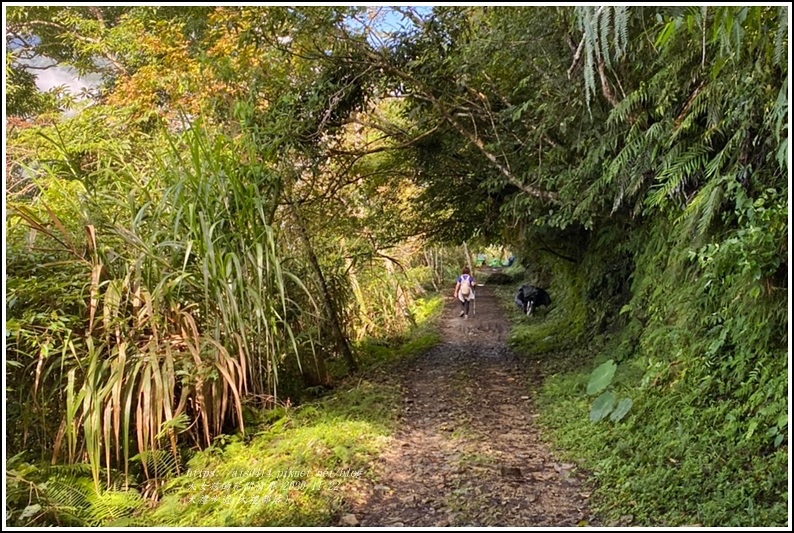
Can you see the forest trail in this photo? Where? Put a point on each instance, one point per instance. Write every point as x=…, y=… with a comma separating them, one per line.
x=467, y=452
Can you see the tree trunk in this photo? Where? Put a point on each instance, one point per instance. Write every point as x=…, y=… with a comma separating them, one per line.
x=363, y=308
x=468, y=257
x=339, y=336
x=317, y=374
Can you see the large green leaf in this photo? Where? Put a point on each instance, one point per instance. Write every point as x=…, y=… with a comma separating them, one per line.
x=621, y=409
x=601, y=377
x=602, y=406
x=30, y=511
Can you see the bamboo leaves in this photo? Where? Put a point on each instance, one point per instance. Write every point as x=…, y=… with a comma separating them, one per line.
x=189, y=309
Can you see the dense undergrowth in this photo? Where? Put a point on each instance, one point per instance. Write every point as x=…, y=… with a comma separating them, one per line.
x=699, y=340
x=293, y=466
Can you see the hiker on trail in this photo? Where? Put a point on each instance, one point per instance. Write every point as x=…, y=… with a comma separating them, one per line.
x=464, y=291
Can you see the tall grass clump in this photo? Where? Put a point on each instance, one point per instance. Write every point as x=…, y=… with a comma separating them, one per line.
x=184, y=311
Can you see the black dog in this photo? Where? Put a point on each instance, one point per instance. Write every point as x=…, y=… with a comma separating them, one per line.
x=529, y=297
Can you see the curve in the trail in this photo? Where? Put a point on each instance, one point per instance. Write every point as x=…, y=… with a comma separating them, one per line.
x=468, y=452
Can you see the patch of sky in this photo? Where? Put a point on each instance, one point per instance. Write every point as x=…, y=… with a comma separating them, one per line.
x=50, y=75
x=382, y=22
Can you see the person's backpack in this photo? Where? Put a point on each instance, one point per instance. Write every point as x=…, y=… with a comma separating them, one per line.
x=465, y=285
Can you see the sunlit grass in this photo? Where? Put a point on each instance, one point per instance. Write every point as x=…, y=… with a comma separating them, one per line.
x=293, y=472
x=295, y=469
x=372, y=352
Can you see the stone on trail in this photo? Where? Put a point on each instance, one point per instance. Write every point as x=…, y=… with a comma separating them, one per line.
x=349, y=520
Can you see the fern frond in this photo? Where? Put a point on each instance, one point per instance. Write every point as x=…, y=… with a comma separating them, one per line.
x=781, y=37
x=641, y=179
x=621, y=30
x=676, y=173
x=634, y=145
x=68, y=496
x=654, y=135
x=67, y=471
x=711, y=207
x=161, y=463
x=106, y=507
x=591, y=49
x=777, y=116
x=698, y=216
x=603, y=23
x=717, y=163
x=633, y=101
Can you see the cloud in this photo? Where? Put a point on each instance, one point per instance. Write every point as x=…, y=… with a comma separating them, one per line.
x=57, y=76
x=49, y=74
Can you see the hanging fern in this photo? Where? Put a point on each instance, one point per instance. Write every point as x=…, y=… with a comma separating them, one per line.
x=676, y=174
x=776, y=121
x=621, y=30
x=604, y=27
x=781, y=37
x=697, y=218
x=601, y=27
x=629, y=106
x=587, y=26
x=718, y=162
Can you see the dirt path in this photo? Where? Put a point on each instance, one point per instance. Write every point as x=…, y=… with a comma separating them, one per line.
x=468, y=452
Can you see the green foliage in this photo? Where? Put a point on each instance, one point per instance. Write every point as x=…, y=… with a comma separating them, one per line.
x=428, y=310
x=560, y=326
x=375, y=353
x=668, y=463
x=601, y=26
x=23, y=99
x=171, y=290
x=65, y=495
x=601, y=377
x=602, y=406
x=182, y=307
x=621, y=409
x=291, y=472
x=685, y=268
x=607, y=402
x=702, y=439
x=302, y=459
